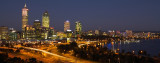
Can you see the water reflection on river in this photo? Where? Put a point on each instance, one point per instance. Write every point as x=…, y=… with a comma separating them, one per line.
x=151, y=46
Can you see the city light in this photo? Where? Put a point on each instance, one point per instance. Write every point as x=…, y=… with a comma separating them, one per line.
x=50, y=39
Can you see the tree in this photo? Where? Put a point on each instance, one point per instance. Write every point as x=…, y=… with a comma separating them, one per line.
x=32, y=60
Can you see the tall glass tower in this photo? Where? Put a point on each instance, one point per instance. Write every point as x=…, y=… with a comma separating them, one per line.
x=78, y=28
x=45, y=19
x=24, y=17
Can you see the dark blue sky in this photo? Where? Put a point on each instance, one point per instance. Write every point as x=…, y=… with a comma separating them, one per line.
x=138, y=15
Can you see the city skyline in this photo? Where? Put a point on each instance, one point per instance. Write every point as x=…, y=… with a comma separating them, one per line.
x=80, y=31
x=145, y=20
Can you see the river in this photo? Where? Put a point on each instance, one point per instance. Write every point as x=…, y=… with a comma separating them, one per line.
x=152, y=47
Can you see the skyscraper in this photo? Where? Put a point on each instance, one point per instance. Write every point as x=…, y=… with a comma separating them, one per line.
x=37, y=24
x=45, y=19
x=12, y=34
x=78, y=28
x=66, y=26
x=24, y=17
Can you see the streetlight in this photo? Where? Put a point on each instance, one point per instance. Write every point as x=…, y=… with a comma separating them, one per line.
x=118, y=60
x=133, y=52
x=109, y=60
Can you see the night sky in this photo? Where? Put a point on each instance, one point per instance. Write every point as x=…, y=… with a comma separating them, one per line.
x=137, y=15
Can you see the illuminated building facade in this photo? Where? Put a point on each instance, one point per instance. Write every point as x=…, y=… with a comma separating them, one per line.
x=129, y=33
x=69, y=33
x=118, y=33
x=37, y=24
x=97, y=32
x=44, y=32
x=3, y=33
x=24, y=17
x=45, y=19
x=78, y=28
x=61, y=35
x=66, y=26
x=90, y=32
x=12, y=34
x=30, y=32
x=149, y=34
x=112, y=33
x=51, y=33
x=104, y=34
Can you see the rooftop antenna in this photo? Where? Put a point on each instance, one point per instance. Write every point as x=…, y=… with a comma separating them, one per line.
x=25, y=4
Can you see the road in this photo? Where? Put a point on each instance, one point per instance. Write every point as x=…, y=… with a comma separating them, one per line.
x=48, y=53
x=62, y=58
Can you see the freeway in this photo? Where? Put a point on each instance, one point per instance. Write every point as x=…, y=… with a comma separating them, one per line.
x=47, y=52
x=62, y=58
x=65, y=58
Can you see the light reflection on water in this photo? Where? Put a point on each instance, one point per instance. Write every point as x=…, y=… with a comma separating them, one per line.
x=151, y=46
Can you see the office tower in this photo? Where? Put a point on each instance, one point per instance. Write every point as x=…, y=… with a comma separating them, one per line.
x=30, y=32
x=61, y=35
x=66, y=26
x=78, y=29
x=37, y=24
x=45, y=19
x=3, y=33
x=24, y=17
x=44, y=32
x=12, y=34
x=69, y=33
x=51, y=33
